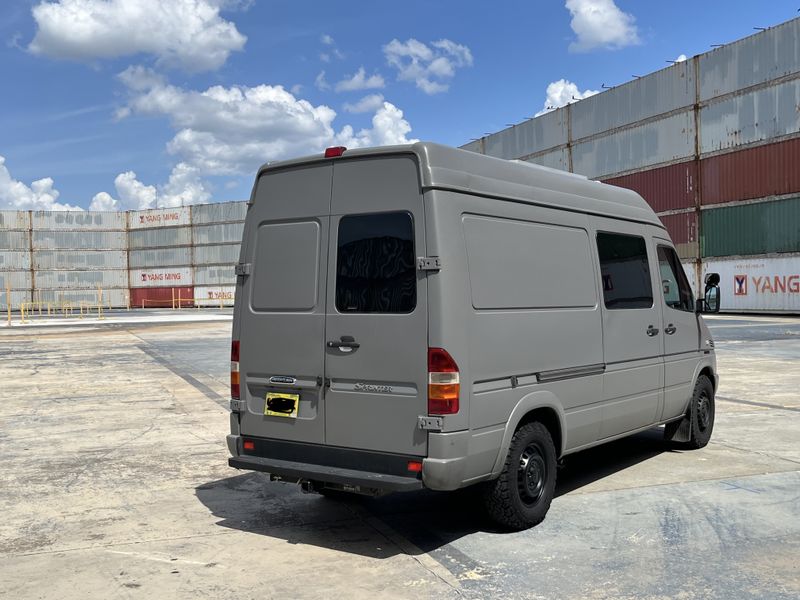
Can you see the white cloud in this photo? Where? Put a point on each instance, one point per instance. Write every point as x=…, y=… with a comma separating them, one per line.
x=601, y=24
x=180, y=33
x=326, y=39
x=40, y=195
x=366, y=104
x=184, y=187
x=296, y=89
x=562, y=92
x=321, y=83
x=681, y=58
x=430, y=67
x=227, y=131
x=388, y=128
x=360, y=81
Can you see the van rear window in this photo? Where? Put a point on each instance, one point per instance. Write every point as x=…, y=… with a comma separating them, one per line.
x=375, y=266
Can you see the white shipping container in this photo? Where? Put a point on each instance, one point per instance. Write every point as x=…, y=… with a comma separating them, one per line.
x=79, y=240
x=167, y=277
x=80, y=259
x=557, y=159
x=220, y=275
x=755, y=59
x=18, y=280
x=15, y=240
x=227, y=254
x=163, y=257
x=645, y=145
x=14, y=261
x=534, y=135
x=690, y=268
x=220, y=233
x=654, y=94
x=159, y=217
x=213, y=295
x=760, y=115
x=220, y=212
x=159, y=238
x=15, y=219
x=81, y=279
x=751, y=283
x=117, y=297
x=79, y=220
x=17, y=298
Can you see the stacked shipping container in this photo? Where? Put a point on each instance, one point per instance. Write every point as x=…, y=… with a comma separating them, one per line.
x=713, y=144
x=217, y=232
x=160, y=257
x=15, y=260
x=79, y=257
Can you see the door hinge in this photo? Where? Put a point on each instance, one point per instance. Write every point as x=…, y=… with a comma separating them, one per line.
x=242, y=269
x=429, y=263
x=430, y=423
x=238, y=405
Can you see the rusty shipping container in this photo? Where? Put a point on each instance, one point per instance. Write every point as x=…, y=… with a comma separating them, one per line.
x=682, y=228
x=162, y=297
x=665, y=188
x=769, y=170
x=752, y=228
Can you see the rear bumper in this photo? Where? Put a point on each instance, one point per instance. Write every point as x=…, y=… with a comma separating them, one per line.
x=295, y=461
x=325, y=474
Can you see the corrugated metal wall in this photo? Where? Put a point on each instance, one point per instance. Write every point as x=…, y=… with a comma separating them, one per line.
x=142, y=257
x=712, y=143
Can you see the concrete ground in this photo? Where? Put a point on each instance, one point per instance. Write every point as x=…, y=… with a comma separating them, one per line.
x=114, y=484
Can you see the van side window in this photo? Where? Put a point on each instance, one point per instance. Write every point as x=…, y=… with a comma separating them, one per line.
x=677, y=292
x=625, y=271
x=375, y=265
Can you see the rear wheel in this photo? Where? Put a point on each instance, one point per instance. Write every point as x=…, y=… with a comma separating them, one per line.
x=521, y=496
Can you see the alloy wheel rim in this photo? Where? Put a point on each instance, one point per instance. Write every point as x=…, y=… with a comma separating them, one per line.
x=703, y=411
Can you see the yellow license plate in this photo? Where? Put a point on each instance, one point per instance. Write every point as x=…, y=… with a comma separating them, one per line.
x=281, y=405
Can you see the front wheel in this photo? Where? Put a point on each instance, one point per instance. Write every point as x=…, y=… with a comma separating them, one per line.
x=694, y=430
x=521, y=496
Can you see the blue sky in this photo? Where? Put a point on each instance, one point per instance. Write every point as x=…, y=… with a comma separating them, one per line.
x=120, y=104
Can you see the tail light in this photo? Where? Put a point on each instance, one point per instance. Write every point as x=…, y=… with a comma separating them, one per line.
x=334, y=151
x=443, y=383
x=235, y=369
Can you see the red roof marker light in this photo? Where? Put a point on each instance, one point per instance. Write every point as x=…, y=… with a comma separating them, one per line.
x=334, y=151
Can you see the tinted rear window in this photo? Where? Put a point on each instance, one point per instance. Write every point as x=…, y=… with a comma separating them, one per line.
x=625, y=271
x=375, y=265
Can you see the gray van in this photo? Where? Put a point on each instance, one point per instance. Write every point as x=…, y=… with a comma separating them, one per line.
x=425, y=317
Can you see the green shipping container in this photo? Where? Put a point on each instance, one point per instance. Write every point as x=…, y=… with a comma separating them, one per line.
x=745, y=229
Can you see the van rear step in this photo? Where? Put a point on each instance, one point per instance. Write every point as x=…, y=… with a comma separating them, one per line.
x=296, y=471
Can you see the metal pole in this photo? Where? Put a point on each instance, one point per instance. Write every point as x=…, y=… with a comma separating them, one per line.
x=8, y=301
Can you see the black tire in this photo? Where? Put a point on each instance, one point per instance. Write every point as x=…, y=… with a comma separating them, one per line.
x=701, y=413
x=521, y=496
x=694, y=430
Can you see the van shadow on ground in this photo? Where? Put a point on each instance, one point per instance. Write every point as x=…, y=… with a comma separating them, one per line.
x=369, y=526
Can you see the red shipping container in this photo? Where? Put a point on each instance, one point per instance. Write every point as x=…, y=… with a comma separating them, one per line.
x=682, y=228
x=769, y=170
x=162, y=297
x=665, y=188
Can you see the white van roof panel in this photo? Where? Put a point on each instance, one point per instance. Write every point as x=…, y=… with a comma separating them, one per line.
x=446, y=168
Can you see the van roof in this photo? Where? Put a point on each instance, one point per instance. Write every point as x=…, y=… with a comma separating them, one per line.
x=453, y=169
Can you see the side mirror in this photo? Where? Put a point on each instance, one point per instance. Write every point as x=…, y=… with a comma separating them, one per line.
x=711, y=300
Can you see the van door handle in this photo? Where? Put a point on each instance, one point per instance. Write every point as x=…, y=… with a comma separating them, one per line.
x=651, y=331
x=670, y=329
x=346, y=341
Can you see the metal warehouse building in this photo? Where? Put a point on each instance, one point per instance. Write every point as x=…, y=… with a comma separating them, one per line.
x=713, y=144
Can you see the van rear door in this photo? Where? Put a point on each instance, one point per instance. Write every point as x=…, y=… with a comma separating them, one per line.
x=376, y=328
x=281, y=325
